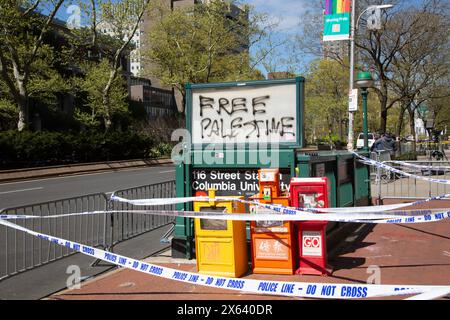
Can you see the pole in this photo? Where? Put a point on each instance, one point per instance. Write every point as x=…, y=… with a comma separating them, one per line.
x=364, y=94
x=352, y=49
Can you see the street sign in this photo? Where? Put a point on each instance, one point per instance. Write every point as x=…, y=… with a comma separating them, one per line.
x=232, y=181
x=353, y=100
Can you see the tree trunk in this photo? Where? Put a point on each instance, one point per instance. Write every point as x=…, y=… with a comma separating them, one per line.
x=106, y=92
x=412, y=127
x=383, y=113
x=107, y=114
x=400, y=121
x=22, y=102
x=382, y=94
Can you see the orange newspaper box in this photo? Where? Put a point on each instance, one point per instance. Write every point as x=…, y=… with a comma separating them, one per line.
x=273, y=246
x=311, y=193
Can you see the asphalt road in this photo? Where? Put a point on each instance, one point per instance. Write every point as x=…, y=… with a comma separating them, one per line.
x=21, y=193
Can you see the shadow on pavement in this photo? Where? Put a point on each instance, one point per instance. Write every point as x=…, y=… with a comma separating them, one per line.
x=423, y=231
x=349, y=245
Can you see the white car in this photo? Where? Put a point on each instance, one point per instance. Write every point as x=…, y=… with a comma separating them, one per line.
x=360, y=141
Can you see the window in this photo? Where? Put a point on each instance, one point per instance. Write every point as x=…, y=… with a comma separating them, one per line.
x=213, y=224
x=369, y=136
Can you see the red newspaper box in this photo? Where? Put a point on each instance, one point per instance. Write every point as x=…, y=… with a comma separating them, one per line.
x=311, y=193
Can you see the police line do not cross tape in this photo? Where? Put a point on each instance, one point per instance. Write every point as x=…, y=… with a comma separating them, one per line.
x=413, y=216
x=284, y=288
x=378, y=208
x=297, y=214
x=381, y=165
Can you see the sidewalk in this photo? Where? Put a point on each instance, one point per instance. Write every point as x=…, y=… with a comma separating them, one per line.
x=415, y=254
x=49, y=278
x=40, y=172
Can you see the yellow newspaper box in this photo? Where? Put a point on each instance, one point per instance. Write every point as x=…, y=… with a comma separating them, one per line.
x=221, y=245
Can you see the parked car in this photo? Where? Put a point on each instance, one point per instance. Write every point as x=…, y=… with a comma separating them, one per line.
x=371, y=137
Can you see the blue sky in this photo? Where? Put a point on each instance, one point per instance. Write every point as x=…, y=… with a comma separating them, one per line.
x=288, y=12
x=289, y=15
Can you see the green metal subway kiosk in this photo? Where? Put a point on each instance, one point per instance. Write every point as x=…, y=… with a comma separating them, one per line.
x=235, y=128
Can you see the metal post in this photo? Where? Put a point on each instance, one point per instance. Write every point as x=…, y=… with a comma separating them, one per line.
x=364, y=94
x=106, y=246
x=379, y=182
x=352, y=52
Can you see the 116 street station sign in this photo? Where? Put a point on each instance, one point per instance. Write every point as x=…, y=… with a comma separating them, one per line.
x=232, y=182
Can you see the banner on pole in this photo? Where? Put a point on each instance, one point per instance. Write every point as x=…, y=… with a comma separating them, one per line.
x=336, y=20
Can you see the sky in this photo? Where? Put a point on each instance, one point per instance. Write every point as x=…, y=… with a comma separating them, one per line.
x=288, y=12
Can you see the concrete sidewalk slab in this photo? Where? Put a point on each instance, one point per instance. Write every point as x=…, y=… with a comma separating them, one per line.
x=414, y=254
x=47, y=279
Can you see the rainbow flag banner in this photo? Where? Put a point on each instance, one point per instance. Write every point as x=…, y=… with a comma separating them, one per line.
x=336, y=22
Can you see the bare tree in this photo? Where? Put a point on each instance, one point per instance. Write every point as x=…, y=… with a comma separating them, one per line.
x=422, y=64
x=403, y=28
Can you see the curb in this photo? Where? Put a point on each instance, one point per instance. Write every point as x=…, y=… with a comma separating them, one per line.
x=23, y=174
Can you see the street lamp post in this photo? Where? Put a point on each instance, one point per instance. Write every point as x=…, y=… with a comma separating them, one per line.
x=364, y=94
x=364, y=81
x=354, y=26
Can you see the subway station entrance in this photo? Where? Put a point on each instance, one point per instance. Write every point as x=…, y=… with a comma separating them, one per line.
x=236, y=128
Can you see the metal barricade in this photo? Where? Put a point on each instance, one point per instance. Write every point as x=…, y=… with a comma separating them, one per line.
x=20, y=251
x=128, y=225
x=396, y=186
x=380, y=156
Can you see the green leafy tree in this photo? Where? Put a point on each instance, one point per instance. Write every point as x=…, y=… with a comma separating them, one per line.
x=22, y=32
x=122, y=18
x=8, y=114
x=204, y=43
x=326, y=99
x=93, y=112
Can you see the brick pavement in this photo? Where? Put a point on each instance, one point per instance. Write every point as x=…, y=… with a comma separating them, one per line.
x=416, y=254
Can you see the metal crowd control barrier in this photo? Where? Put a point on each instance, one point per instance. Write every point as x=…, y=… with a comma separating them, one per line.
x=395, y=186
x=20, y=252
x=376, y=173
x=127, y=225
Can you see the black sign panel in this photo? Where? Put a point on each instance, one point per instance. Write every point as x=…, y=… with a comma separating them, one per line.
x=232, y=182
